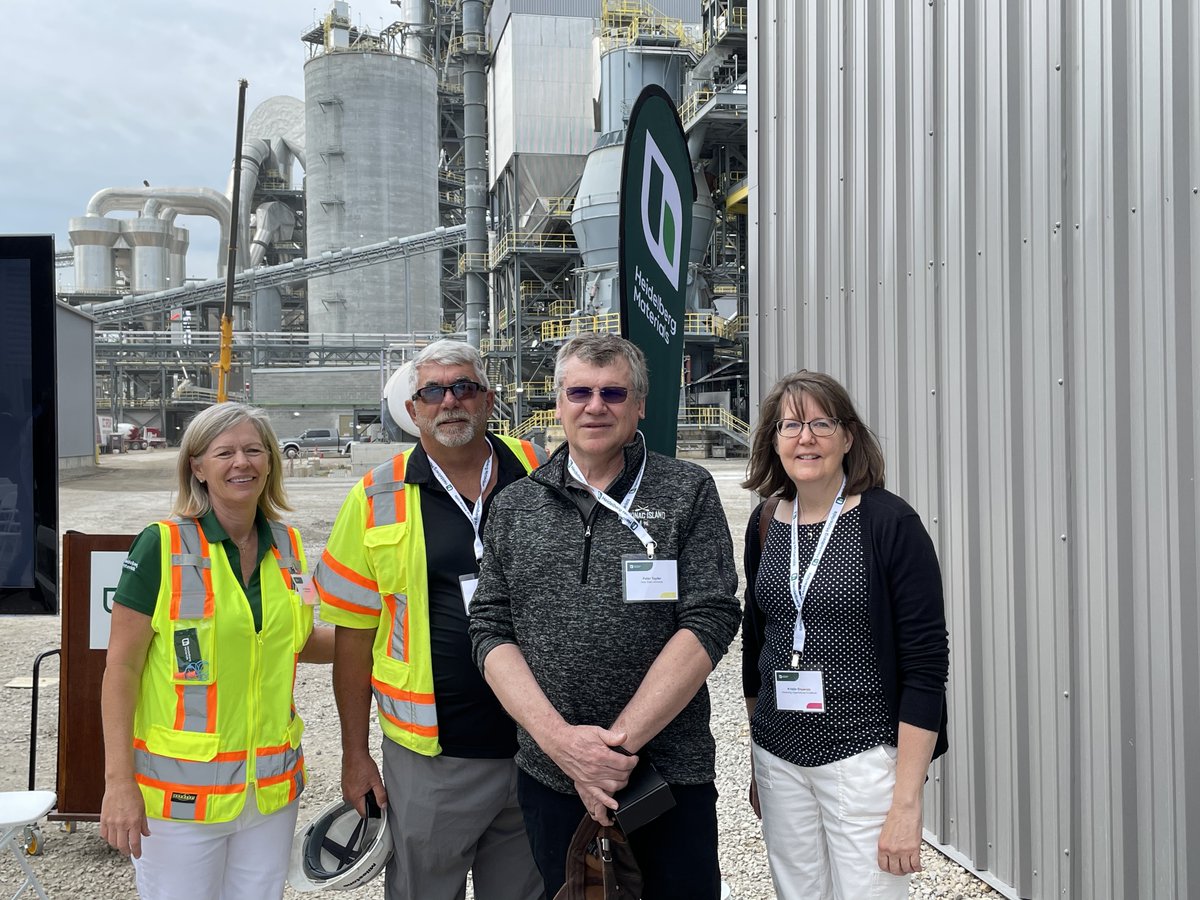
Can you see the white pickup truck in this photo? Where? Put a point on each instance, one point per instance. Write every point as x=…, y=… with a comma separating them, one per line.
x=325, y=439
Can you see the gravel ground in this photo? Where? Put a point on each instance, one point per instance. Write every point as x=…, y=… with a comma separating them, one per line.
x=131, y=490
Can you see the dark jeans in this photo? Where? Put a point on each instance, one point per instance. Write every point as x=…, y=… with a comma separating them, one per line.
x=677, y=852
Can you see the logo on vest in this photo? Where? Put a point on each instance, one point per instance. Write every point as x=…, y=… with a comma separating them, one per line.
x=178, y=797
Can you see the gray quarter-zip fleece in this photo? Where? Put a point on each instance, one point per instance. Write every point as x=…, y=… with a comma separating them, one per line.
x=551, y=584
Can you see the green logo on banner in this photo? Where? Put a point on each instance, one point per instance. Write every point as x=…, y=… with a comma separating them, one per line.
x=662, y=211
x=657, y=194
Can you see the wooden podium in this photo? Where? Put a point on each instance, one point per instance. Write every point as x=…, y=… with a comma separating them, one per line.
x=91, y=568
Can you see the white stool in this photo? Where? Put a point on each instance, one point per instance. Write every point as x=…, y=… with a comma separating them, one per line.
x=19, y=809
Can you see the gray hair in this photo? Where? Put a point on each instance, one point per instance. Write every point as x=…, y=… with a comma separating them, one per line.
x=603, y=350
x=448, y=352
x=191, y=494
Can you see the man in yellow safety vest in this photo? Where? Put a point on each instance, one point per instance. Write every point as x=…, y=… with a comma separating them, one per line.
x=396, y=579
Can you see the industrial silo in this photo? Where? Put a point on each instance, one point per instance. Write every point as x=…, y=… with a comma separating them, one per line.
x=372, y=150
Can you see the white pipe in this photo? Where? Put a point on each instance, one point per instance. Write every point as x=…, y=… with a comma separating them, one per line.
x=188, y=201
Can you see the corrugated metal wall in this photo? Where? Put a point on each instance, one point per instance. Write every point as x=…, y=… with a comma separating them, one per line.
x=985, y=218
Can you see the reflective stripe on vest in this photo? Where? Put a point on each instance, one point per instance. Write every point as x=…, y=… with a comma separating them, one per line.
x=345, y=589
x=397, y=605
x=196, y=707
x=285, y=553
x=274, y=764
x=189, y=775
x=192, y=598
x=408, y=710
x=191, y=572
x=384, y=489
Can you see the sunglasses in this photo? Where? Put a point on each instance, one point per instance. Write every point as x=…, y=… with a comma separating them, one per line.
x=433, y=394
x=607, y=394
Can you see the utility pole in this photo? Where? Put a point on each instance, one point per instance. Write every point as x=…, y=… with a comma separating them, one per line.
x=223, y=364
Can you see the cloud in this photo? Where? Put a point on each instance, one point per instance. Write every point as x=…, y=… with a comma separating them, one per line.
x=142, y=90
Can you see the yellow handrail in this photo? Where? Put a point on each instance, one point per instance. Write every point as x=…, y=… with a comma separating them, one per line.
x=561, y=329
x=527, y=240
x=559, y=206
x=712, y=417
x=543, y=418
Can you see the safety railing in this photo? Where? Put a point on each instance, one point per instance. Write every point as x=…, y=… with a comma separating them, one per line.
x=543, y=418
x=559, y=206
x=537, y=389
x=695, y=324
x=713, y=417
x=562, y=307
x=561, y=329
x=499, y=426
x=513, y=241
x=496, y=345
x=472, y=262
x=476, y=44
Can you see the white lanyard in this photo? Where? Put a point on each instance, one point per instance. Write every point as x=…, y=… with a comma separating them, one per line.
x=475, y=515
x=621, y=509
x=800, y=588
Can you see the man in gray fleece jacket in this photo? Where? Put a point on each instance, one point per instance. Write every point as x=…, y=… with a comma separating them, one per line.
x=589, y=677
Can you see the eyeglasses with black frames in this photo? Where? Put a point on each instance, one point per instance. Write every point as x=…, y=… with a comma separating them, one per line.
x=793, y=428
x=433, y=394
x=607, y=394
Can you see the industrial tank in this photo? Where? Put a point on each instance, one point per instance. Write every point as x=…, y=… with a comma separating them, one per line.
x=372, y=152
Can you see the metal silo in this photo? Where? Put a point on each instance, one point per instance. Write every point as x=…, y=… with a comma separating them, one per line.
x=372, y=145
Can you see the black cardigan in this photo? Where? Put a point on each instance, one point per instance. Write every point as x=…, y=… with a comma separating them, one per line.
x=908, y=619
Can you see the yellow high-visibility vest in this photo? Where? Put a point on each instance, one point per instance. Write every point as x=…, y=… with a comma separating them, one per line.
x=215, y=711
x=375, y=561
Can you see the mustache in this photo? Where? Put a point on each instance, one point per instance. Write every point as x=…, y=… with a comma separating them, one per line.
x=449, y=416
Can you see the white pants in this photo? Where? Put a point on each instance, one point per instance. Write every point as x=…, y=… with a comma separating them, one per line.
x=246, y=859
x=822, y=825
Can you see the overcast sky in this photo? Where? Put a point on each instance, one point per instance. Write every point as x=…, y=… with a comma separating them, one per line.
x=105, y=95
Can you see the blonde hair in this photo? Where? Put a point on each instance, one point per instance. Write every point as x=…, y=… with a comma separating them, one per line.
x=863, y=462
x=191, y=494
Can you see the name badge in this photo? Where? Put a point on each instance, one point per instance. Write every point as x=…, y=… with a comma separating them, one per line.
x=468, y=583
x=303, y=585
x=801, y=691
x=649, y=580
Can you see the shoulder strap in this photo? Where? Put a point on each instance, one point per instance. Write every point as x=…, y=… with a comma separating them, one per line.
x=764, y=521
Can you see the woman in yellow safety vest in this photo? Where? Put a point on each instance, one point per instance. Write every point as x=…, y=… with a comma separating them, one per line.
x=203, y=765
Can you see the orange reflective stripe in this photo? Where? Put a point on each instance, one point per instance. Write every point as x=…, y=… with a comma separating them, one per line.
x=349, y=574
x=176, y=571
x=191, y=788
x=210, y=706
x=530, y=454
x=410, y=711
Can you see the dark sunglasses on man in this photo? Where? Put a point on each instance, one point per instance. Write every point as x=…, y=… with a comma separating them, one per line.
x=433, y=394
x=607, y=394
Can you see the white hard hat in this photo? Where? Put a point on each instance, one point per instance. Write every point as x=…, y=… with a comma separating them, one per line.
x=341, y=850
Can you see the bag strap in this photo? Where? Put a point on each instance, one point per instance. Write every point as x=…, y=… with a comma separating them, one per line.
x=764, y=521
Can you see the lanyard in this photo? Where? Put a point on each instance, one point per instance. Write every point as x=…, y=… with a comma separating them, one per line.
x=621, y=509
x=800, y=588
x=475, y=515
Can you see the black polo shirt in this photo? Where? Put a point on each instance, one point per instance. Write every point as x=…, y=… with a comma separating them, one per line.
x=471, y=721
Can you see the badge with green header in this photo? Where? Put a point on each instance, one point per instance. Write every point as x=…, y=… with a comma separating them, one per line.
x=649, y=580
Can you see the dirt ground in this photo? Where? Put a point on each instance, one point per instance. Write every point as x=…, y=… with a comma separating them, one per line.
x=130, y=490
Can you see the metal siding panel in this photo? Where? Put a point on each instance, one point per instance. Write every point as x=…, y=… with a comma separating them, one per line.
x=1057, y=326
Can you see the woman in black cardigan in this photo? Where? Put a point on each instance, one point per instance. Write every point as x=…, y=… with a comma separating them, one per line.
x=844, y=654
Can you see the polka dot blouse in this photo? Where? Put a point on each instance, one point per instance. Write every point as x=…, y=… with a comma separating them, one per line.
x=837, y=642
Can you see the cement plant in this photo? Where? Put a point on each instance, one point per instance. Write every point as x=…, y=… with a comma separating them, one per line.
x=455, y=174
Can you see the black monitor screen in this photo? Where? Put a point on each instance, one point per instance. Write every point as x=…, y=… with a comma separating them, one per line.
x=28, y=435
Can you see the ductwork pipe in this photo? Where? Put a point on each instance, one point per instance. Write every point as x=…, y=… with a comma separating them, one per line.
x=189, y=201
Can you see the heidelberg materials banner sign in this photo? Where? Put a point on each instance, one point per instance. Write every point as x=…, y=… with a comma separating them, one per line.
x=657, y=193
